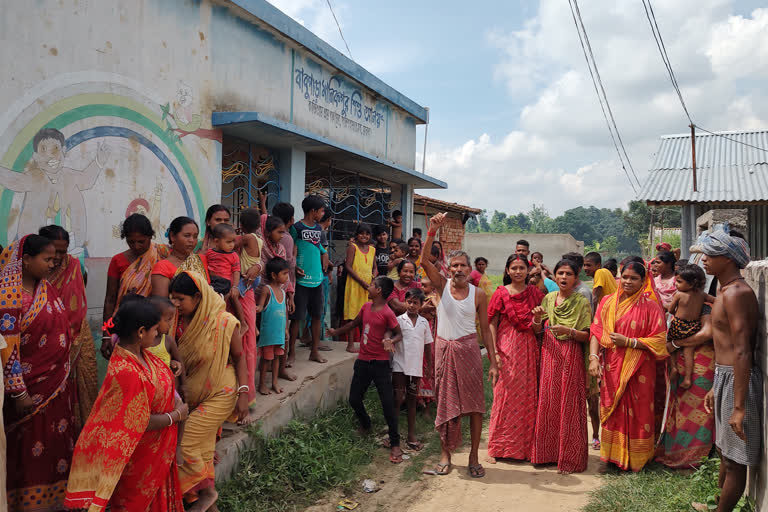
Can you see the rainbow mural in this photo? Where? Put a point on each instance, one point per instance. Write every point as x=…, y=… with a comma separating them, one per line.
x=149, y=165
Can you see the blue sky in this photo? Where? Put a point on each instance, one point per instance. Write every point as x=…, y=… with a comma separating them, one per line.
x=514, y=117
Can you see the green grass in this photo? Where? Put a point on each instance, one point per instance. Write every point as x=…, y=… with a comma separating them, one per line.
x=496, y=280
x=291, y=470
x=309, y=457
x=659, y=489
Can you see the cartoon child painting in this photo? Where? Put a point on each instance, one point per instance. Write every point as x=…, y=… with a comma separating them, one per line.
x=52, y=191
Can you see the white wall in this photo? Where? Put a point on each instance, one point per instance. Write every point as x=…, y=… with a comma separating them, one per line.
x=130, y=88
x=497, y=247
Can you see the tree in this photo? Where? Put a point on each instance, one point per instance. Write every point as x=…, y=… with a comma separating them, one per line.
x=540, y=220
x=498, y=222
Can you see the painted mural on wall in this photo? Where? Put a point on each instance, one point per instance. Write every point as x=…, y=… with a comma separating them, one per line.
x=86, y=155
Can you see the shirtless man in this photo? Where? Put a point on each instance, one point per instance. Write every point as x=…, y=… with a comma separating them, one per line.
x=736, y=395
x=459, y=364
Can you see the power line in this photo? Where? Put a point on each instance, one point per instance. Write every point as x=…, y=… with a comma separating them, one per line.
x=668, y=65
x=599, y=97
x=600, y=81
x=730, y=139
x=663, y=52
x=339, y=27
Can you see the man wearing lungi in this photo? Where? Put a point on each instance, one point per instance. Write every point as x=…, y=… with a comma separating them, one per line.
x=458, y=362
x=736, y=395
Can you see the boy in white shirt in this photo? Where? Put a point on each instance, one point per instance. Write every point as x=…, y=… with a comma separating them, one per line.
x=407, y=361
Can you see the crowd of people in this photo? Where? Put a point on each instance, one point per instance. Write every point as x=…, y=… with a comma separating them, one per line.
x=195, y=331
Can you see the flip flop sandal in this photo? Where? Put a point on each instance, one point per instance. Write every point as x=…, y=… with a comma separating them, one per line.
x=442, y=469
x=476, y=471
x=596, y=444
x=416, y=446
x=395, y=459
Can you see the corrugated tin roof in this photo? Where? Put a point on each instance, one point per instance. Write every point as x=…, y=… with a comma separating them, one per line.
x=726, y=169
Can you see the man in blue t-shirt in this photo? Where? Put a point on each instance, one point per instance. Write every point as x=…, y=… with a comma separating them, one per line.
x=311, y=259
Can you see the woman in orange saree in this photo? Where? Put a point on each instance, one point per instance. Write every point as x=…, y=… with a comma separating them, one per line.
x=131, y=271
x=38, y=413
x=68, y=280
x=628, y=337
x=126, y=455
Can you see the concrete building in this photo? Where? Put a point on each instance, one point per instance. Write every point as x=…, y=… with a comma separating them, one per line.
x=497, y=247
x=165, y=107
x=731, y=174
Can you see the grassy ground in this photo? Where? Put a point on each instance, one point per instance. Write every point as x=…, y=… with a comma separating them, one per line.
x=659, y=489
x=310, y=457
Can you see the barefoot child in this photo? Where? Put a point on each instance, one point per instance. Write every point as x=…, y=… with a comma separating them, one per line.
x=372, y=365
x=311, y=257
x=274, y=322
x=224, y=267
x=686, y=306
x=407, y=362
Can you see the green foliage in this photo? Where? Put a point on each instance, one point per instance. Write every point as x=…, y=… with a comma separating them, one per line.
x=616, y=231
x=307, y=458
x=659, y=489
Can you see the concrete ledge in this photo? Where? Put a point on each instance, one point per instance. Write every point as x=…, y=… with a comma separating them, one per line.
x=318, y=387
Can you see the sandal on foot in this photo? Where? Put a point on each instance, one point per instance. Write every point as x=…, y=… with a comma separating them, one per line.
x=395, y=459
x=476, y=471
x=415, y=445
x=442, y=469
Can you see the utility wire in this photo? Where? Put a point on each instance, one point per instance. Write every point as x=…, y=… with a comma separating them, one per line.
x=663, y=52
x=599, y=97
x=339, y=27
x=730, y=139
x=600, y=82
x=668, y=64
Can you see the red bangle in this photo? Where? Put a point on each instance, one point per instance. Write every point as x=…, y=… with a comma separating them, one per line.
x=431, y=233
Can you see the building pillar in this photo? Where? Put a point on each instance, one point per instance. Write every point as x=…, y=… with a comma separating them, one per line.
x=292, y=166
x=688, y=230
x=406, y=206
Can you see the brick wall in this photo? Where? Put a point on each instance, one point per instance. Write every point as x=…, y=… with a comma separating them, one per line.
x=452, y=234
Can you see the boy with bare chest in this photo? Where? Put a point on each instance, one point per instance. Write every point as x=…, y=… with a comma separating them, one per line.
x=736, y=395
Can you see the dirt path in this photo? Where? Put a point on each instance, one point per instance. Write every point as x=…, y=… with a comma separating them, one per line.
x=506, y=486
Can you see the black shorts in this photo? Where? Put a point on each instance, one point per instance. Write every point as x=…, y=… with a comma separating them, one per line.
x=308, y=300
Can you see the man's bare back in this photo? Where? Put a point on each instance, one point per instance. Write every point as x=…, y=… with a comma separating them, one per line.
x=735, y=309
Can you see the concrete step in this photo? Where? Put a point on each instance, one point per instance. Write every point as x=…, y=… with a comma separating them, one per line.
x=317, y=388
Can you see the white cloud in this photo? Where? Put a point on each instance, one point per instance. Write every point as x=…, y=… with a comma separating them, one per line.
x=560, y=152
x=739, y=46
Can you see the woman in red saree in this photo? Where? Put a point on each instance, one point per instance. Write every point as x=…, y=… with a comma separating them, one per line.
x=38, y=416
x=126, y=455
x=68, y=280
x=561, y=416
x=628, y=338
x=510, y=315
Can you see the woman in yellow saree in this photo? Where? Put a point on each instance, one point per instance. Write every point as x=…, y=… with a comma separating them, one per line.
x=628, y=337
x=216, y=385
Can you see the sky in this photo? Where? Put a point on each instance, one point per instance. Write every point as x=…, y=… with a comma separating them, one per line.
x=514, y=118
